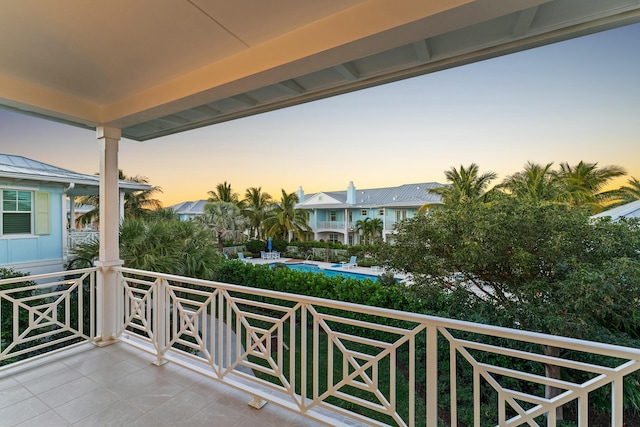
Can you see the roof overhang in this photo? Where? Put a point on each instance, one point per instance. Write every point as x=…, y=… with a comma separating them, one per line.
x=74, y=187
x=158, y=67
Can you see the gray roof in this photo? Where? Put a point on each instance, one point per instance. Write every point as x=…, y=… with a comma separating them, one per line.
x=407, y=195
x=19, y=168
x=79, y=208
x=630, y=210
x=189, y=208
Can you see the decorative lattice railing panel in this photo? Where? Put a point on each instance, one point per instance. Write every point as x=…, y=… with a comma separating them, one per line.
x=344, y=364
x=43, y=313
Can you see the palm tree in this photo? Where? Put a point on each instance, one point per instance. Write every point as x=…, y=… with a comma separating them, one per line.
x=164, y=245
x=375, y=228
x=370, y=229
x=585, y=182
x=225, y=219
x=223, y=193
x=256, y=206
x=536, y=183
x=627, y=193
x=466, y=185
x=362, y=227
x=286, y=220
x=137, y=204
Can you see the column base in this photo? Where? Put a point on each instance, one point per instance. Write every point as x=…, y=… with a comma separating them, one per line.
x=257, y=402
x=103, y=343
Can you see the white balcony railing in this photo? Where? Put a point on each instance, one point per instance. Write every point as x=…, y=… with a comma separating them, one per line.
x=330, y=225
x=321, y=358
x=43, y=313
x=334, y=362
x=81, y=236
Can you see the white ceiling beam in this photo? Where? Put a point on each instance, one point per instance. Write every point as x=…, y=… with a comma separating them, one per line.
x=348, y=71
x=207, y=110
x=523, y=24
x=422, y=50
x=291, y=87
x=245, y=100
x=174, y=118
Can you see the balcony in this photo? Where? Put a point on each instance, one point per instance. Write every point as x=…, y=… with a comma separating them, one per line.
x=330, y=225
x=76, y=237
x=196, y=352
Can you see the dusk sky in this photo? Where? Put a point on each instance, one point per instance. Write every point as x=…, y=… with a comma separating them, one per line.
x=570, y=101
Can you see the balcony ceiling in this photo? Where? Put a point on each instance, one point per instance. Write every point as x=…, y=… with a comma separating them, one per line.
x=158, y=67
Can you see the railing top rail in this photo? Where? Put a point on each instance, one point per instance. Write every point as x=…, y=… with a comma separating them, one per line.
x=37, y=277
x=497, y=331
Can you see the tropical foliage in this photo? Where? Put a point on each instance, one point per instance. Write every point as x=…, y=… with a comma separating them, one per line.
x=137, y=204
x=286, y=220
x=582, y=184
x=223, y=193
x=627, y=193
x=225, y=220
x=166, y=246
x=256, y=205
x=528, y=261
x=370, y=230
x=536, y=183
x=585, y=183
x=466, y=185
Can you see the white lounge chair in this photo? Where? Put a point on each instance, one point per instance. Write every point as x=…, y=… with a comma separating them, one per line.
x=351, y=263
x=242, y=258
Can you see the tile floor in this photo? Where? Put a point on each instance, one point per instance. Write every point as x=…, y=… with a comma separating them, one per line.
x=118, y=386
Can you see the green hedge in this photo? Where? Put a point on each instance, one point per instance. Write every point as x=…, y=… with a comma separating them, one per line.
x=365, y=292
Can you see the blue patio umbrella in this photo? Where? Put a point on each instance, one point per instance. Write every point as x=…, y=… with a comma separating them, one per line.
x=269, y=244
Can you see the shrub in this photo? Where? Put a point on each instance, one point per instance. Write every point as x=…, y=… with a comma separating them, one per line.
x=255, y=246
x=279, y=245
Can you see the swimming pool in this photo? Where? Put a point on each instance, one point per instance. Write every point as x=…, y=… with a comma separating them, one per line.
x=312, y=268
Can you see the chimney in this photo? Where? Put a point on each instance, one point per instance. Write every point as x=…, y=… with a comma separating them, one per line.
x=300, y=194
x=351, y=194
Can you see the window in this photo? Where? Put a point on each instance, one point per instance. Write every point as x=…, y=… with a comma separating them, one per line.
x=25, y=212
x=350, y=216
x=333, y=216
x=381, y=212
x=16, y=212
x=333, y=238
x=364, y=212
x=401, y=214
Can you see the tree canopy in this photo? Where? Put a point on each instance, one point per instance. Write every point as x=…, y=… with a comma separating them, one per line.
x=286, y=220
x=519, y=254
x=137, y=204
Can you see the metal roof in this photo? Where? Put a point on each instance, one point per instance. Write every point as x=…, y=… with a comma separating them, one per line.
x=407, y=195
x=158, y=67
x=19, y=169
x=189, y=208
x=630, y=210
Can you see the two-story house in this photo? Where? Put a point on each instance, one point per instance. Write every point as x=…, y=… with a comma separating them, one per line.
x=37, y=201
x=334, y=215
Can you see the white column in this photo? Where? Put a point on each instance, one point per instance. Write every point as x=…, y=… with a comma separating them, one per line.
x=109, y=256
x=72, y=212
x=121, y=207
x=65, y=231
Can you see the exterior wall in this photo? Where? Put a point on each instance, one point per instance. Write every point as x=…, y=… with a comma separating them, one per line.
x=187, y=217
x=36, y=253
x=319, y=220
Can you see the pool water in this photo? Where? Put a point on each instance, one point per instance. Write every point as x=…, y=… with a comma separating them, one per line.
x=311, y=268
